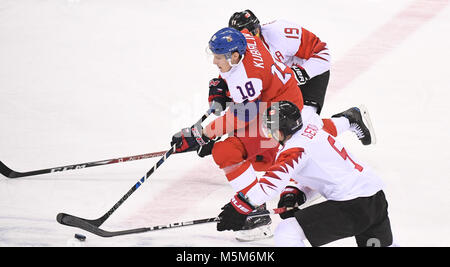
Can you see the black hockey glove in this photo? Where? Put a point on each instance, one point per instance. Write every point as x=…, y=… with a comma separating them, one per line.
x=291, y=197
x=218, y=90
x=190, y=139
x=300, y=75
x=234, y=214
x=206, y=150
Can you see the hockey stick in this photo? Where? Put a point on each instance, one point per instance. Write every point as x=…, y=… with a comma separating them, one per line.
x=70, y=220
x=13, y=174
x=83, y=224
x=9, y=173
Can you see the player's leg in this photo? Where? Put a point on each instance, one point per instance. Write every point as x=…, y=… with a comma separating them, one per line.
x=314, y=96
x=379, y=234
x=230, y=155
x=333, y=220
x=314, y=91
x=326, y=222
x=236, y=156
x=289, y=234
x=356, y=120
x=353, y=119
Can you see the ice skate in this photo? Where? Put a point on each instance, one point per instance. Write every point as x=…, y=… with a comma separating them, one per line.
x=360, y=124
x=256, y=228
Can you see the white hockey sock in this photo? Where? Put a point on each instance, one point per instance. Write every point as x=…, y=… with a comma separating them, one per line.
x=289, y=234
x=342, y=124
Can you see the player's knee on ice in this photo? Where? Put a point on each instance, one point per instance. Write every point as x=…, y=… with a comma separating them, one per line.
x=289, y=234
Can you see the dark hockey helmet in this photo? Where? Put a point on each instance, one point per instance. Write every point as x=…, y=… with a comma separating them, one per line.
x=283, y=116
x=244, y=20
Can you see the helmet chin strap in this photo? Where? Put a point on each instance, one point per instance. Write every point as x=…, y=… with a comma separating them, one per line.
x=234, y=65
x=277, y=138
x=281, y=142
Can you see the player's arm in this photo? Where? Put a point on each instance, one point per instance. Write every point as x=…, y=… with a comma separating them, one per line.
x=238, y=116
x=193, y=138
x=275, y=179
x=316, y=54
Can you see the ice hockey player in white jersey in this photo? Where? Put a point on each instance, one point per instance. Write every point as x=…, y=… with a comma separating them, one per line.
x=355, y=202
x=309, y=58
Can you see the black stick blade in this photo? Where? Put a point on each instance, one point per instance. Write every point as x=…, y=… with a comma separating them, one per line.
x=7, y=171
x=70, y=220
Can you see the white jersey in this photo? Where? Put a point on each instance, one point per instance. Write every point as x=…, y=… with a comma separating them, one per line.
x=292, y=45
x=315, y=160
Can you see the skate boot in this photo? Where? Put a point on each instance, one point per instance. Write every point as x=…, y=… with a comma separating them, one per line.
x=360, y=124
x=256, y=228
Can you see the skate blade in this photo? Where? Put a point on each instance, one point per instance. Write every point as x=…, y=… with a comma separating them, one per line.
x=258, y=233
x=368, y=122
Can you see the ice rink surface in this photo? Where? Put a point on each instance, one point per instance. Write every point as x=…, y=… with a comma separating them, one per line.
x=89, y=80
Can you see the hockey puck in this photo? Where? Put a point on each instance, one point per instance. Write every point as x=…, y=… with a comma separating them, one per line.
x=80, y=237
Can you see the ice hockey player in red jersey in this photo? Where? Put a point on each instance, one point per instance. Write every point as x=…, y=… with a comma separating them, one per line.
x=355, y=206
x=309, y=58
x=250, y=79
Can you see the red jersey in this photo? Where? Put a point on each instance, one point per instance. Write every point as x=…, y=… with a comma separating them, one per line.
x=256, y=80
